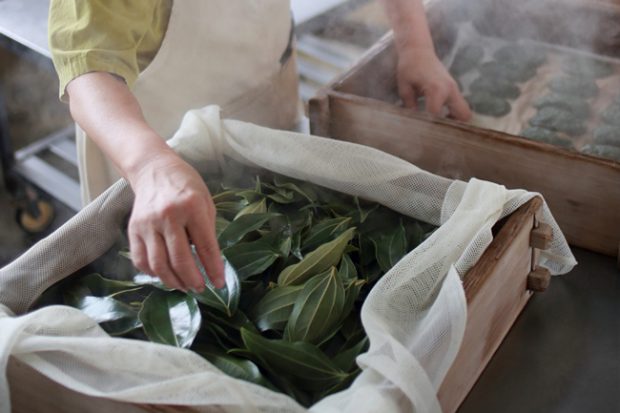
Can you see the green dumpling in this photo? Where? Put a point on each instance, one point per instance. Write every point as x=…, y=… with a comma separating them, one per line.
x=520, y=54
x=587, y=66
x=559, y=120
x=487, y=104
x=603, y=151
x=611, y=115
x=577, y=106
x=496, y=87
x=507, y=71
x=607, y=135
x=466, y=58
x=545, y=135
x=574, y=85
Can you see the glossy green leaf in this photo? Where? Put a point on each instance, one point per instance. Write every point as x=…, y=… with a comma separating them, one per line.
x=223, y=330
x=224, y=299
x=250, y=261
x=114, y=316
x=257, y=207
x=240, y=369
x=317, y=261
x=302, y=188
x=390, y=248
x=146, y=279
x=273, y=310
x=280, y=195
x=170, y=318
x=324, y=231
x=361, y=214
x=96, y=285
x=317, y=308
x=345, y=360
x=346, y=270
x=225, y=196
x=220, y=225
x=296, y=246
x=291, y=216
x=125, y=253
x=299, y=360
x=251, y=258
x=351, y=292
x=231, y=208
x=241, y=226
x=250, y=195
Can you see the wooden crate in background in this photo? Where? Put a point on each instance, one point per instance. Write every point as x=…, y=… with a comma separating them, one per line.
x=582, y=191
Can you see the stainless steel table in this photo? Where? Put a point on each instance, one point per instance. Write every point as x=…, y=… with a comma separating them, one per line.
x=23, y=26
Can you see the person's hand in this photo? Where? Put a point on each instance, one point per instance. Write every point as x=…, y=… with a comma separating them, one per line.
x=421, y=73
x=172, y=208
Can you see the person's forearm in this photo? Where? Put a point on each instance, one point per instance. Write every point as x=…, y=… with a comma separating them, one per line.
x=110, y=115
x=408, y=21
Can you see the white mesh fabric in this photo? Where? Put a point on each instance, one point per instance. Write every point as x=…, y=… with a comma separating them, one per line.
x=415, y=316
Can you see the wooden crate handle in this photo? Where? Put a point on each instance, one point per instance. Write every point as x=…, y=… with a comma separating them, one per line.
x=538, y=280
x=541, y=237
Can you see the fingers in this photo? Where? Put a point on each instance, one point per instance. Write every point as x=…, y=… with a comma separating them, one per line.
x=407, y=94
x=160, y=264
x=181, y=258
x=202, y=233
x=459, y=108
x=436, y=96
x=151, y=257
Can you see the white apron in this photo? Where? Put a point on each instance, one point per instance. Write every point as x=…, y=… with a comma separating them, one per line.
x=214, y=52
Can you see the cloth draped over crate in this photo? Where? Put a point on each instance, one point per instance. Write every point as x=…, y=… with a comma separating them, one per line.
x=415, y=315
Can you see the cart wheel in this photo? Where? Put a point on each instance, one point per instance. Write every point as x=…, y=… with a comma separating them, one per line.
x=32, y=223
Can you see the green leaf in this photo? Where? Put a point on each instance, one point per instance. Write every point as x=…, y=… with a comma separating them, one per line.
x=250, y=195
x=325, y=231
x=346, y=359
x=230, y=208
x=114, y=316
x=251, y=258
x=347, y=271
x=273, y=310
x=296, y=246
x=241, y=226
x=220, y=225
x=258, y=207
x=299, y=360
x=170, y=318
x=361, y=214
x=249, y=261
x=224, y=299
x=280, y=195
x=225, y=196
x=351, y=292
x=317, y=261
x=302, y=188
x=146, y=279
x=99, y=286
x=240, y=369
x=390, y=248
x=125, y=253
x=317, y=308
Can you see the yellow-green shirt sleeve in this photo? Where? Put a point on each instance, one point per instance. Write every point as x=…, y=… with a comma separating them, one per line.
x=116, y=36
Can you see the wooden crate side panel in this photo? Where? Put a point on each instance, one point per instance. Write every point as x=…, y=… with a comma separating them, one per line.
x=496, y=293
x=582, y=192
x=32, y=392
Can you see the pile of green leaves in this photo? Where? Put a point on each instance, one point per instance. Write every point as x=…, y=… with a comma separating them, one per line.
x=300, y=259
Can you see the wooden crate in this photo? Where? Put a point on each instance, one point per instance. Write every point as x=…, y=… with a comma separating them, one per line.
x=496, y=288
x=582, y=191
